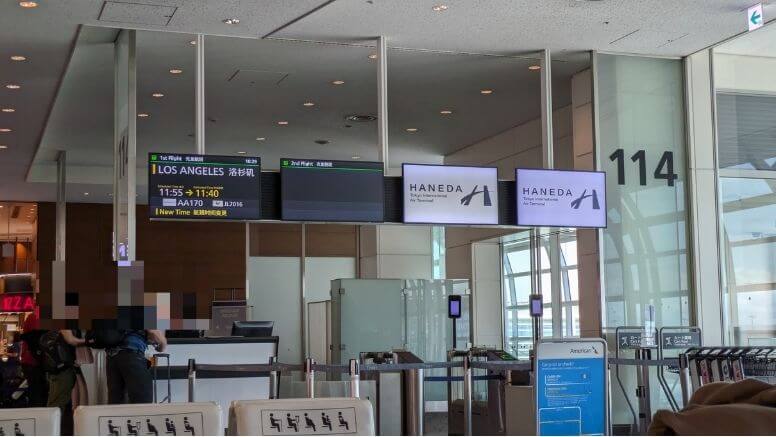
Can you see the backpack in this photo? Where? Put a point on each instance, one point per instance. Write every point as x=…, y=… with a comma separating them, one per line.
x=56, y=355
x=105, y=338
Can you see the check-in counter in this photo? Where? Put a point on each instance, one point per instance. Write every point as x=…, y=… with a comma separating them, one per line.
x=221, y=387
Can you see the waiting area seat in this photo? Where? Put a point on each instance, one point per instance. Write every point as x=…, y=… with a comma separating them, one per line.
x=29, y=421
x=175, y=419
x=322, y=416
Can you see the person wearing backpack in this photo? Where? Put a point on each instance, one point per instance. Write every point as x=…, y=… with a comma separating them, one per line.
x=58, y=356
x=128, y=373
x=32, y=368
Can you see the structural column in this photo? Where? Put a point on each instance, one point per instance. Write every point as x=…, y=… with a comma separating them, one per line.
x=382, y=101
x=58, y=288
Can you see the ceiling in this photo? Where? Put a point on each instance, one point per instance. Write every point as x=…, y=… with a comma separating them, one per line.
x=491, y=43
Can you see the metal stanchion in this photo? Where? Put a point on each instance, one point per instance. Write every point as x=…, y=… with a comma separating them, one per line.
x=414, y=408
x=684, y=379
x=310, y=377
x=355, y=379
x=642, y=390
x=274, y=380
x=192, y=378
x=467, y=396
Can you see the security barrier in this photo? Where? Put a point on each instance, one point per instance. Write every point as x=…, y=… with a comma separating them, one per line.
x=182, y=419
x=325, y=416
x=29, y=421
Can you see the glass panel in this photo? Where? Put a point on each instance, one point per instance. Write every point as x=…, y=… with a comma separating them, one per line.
x=749, y=254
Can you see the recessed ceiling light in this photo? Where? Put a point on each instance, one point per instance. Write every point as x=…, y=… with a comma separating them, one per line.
x=8, y=110
x=486, y=91
x=534, y=67
x=193, y=42
x=231, y=21
x=5, y=130
x=3, y=147
x=241, y=153
x=337, y=82
x=373, y=56
x=86, y=193
x=355, y=157
x=13, y=86
x=445, y=112
x=412, y=129
x=28, y=4
x=308, y=104
x=283, y=123
x=18, y=58
x=439, y=8
x=157, y=95
x=142, y=115
x=260, y=138
x=176, y=70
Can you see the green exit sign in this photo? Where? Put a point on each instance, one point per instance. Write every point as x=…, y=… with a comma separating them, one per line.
x=153, y=157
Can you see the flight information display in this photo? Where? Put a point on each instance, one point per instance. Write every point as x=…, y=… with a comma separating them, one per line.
x=333, y=191
x=204, y=187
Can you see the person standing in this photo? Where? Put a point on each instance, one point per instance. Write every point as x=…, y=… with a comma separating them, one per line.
x=128, y=370
x=37, y=391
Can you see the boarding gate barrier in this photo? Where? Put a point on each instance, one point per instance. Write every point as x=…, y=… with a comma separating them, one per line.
x=30, y=421
x=182, y=419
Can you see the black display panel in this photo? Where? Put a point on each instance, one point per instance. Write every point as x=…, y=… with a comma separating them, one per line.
x=204, y=187
x=331, y=191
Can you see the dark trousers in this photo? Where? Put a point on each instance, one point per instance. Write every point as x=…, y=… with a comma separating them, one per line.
x=37, y=385
x=129, y=378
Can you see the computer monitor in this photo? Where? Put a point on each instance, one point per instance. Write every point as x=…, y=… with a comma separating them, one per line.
x=252, y=329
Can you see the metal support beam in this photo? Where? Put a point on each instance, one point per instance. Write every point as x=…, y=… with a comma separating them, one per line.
x=303, y=293
x=555, y=285
x=200, y=95
x=382, y=101
x=546, y=84
x=61, y=205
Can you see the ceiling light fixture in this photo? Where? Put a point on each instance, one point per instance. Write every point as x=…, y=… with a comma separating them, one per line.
x=8, y=110
x=2, y=146
x=5, y=130
x=176, y=70
x=28, y=4
x=86, y=193
x=157, y=95
x=337, y=82
x=373, y=56
x=13, y=86
x=231, y=21
x=486, y=91
x=534, y=67
x=260, y=138
x=283, y=123
x=241, y=153
x=445, y=112
x=142, y=115
x=439, y=8
x=18, y=58
x=412, y=129
x=355, y=157
x=308, y=104
x=193, y=42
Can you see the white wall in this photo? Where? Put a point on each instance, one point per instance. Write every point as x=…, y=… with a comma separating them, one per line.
x=744, y=73
x=487, y=303
x=276, y=294
x=396, y=252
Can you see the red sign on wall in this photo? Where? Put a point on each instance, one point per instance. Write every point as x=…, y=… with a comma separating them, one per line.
x=17, y=303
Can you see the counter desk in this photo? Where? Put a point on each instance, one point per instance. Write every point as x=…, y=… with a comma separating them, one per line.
x=221, y=387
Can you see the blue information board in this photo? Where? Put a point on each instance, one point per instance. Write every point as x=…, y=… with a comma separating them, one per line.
x=571, y=388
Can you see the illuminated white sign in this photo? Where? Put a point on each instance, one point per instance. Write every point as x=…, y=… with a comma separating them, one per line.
x=560, y=198
x=450, y=195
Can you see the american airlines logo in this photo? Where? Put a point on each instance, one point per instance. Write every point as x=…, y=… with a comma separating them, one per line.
x=586, y=350
x=467, y=199
x=576, y=203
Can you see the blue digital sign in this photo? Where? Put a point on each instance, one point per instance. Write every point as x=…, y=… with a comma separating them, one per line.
x=571, y=388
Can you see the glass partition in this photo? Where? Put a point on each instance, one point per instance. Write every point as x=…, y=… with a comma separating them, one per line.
x=745, y=91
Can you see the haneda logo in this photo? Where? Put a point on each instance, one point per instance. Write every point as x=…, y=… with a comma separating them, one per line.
x=576, y=203
x=466, y=200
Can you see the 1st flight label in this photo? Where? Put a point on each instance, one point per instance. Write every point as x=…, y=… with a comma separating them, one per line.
x=204, y=187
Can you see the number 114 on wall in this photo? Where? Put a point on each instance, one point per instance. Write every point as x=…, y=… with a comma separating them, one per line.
x=664, y=169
